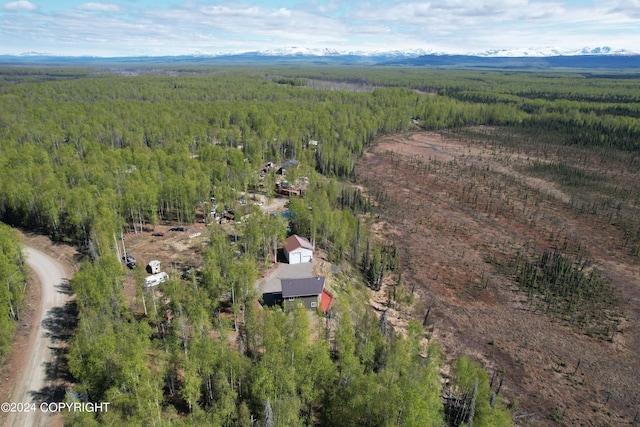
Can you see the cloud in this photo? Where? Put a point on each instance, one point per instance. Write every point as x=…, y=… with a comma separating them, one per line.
x=457, y=14
x=20, y=5
x=476, y=25
x=125, y=27
x=235, y=22
x=627, y=8
x=99, y=7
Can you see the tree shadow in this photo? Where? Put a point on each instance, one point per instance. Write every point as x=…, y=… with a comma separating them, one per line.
x=59, y=325
x=60, y=322
x=281, y=257
x=65, y=287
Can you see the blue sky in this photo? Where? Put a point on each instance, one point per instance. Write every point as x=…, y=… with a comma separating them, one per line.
x=176, y=27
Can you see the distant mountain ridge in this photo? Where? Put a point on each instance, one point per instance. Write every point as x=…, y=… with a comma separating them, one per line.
x=406, y=53
x=555, y=51
x=585, y=58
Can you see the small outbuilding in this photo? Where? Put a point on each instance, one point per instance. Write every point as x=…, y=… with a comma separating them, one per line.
x=153, y=267
x=298, y=249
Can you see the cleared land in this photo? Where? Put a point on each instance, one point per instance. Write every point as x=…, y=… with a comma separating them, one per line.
x=461, y=209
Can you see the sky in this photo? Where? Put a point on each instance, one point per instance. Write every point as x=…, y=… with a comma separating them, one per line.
x=184, y=27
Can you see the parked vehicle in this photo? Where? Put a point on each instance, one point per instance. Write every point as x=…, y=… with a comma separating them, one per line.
x=130, y=260
x=178, y=229
x=189, y=273
x=155, y=279
x=157, y=234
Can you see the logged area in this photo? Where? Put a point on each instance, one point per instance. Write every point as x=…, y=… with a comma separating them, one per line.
x=519, y=252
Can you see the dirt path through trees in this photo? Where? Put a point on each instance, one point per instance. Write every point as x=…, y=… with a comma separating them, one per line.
x=38, y=382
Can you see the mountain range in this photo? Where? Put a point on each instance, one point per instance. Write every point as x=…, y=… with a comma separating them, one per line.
x=552, y=57
x=521, y=52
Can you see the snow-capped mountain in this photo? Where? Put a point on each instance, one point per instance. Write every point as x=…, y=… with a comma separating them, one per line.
x=300, y=51
x=310, y=51
x=540, y=58
x=552, y=51
x=296, y=51
x=303, y=51
x=31, y=53
x=412, y=53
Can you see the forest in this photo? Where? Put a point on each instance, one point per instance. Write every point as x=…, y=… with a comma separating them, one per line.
x=86, y=154
x=14, y=286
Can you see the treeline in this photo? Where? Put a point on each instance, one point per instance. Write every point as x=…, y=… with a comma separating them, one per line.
x=613, y=87
x=13, y=286
x=592, y=109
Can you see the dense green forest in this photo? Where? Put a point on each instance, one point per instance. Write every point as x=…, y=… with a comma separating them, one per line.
x=13, y=277
x=87, y=154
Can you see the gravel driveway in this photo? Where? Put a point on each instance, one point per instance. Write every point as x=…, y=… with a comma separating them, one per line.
x=271, y=282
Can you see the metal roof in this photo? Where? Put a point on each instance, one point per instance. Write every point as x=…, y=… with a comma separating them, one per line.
x=294, y=242
x=291, y=162
x=302, y=287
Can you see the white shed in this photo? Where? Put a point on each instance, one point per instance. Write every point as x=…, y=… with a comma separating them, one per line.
x=298, y=250
x=153, y=267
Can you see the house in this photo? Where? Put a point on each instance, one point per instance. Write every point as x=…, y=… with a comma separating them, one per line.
x=297, y=250
x=308, y=290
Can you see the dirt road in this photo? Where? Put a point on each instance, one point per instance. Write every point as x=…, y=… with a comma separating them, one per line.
x=36, y=386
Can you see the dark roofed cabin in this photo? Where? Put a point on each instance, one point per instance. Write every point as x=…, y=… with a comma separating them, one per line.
x=307, y=290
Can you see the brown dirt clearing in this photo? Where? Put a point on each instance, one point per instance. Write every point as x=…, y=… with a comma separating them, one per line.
x=458, y=208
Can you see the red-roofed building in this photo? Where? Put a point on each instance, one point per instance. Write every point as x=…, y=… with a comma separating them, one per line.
x=297, y=250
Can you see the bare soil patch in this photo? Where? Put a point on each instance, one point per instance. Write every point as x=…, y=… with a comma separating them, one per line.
x=178, y=251
x=457, y=210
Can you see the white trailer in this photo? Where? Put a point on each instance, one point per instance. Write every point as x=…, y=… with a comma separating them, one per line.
x=155, y=279
x=154, y=267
